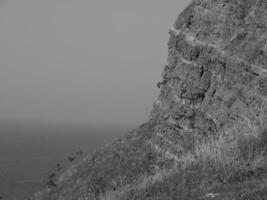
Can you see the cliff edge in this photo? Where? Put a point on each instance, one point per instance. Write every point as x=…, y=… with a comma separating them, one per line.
x=207, y=133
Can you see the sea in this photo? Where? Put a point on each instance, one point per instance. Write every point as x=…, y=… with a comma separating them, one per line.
x=30, y=152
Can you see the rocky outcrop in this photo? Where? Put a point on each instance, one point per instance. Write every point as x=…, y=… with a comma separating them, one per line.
x=207, y=129
x=216, y=77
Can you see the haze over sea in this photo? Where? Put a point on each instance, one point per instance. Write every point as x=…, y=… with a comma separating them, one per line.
x=67, y=64
x=29, y=152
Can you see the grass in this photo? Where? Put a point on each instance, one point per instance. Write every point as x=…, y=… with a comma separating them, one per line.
x=228, y=150
x=109, y=195
x=131, y=169
x=237, y=158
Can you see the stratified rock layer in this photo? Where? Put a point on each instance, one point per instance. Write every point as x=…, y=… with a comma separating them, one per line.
x=214, y=83
x=216, y=77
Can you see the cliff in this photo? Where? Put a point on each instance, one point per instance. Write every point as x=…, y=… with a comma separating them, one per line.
x=207, y=133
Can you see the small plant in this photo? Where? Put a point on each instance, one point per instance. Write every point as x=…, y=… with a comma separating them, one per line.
x=71, y=158
x=51, y=184
x=59, y=167
x=79, y=153
x=51, y=180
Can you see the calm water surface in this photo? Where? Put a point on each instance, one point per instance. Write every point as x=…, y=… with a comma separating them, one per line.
x=29, y=153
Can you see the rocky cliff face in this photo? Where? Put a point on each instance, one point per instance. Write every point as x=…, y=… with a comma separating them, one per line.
x=216, y=77
x=206, y=137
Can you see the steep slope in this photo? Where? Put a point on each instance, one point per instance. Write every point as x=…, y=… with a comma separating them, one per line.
x=207, y=133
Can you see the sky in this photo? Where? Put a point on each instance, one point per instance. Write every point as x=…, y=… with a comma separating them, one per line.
x=84, y=61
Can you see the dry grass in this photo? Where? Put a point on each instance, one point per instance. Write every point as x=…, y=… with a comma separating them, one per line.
x=109, y=195
x=140, y=184
x=231, y=150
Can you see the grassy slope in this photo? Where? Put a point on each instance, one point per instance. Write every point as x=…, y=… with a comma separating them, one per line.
x=120, y=165
x=131, y=169
x=223, y=170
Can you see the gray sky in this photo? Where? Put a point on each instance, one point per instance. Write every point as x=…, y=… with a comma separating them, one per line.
x=82, y=61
